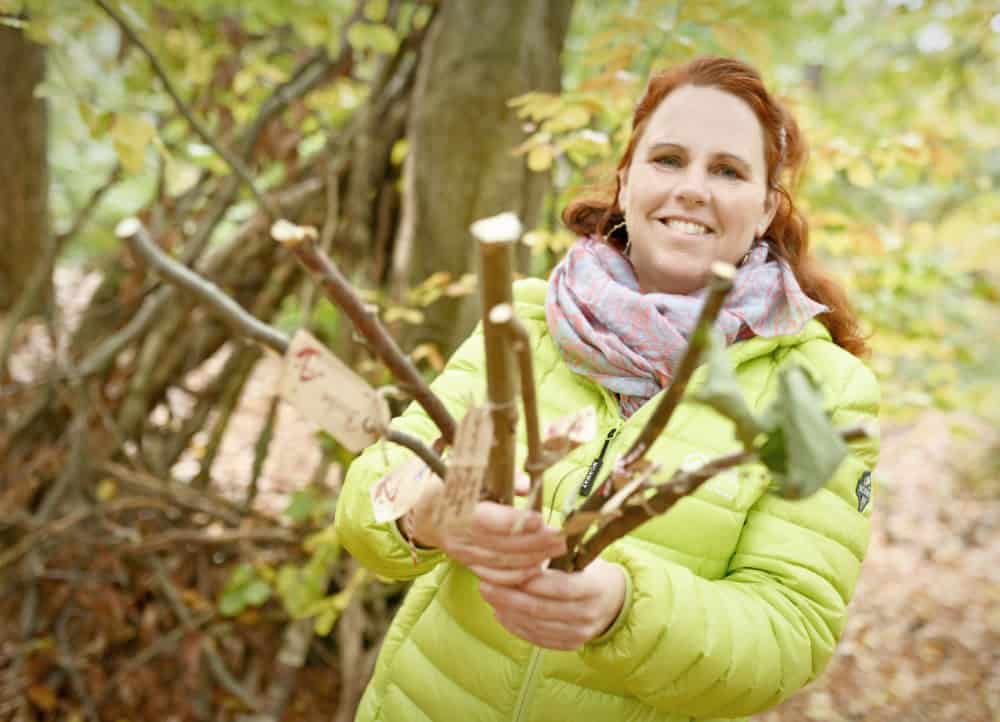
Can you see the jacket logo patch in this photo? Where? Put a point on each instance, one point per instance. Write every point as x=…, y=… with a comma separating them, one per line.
x=864, y=490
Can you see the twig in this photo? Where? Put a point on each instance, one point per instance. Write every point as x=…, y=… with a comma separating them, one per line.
x=232, y=161
x=433, y=461
x=720, y=283
x=132, y=230
x=215, y=663
x=718, y=287
x=225, y=407
x=536, y=463
x=339, y=290
x=260, y=450
x=183, y=495
x=191, y=536
x=681, y=484
x=495, y=277
x=151, y=652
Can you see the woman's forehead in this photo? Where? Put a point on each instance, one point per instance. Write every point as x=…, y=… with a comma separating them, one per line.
x=706, y=120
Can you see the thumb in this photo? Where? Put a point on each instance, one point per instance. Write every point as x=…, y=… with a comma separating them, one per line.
x=522, y=484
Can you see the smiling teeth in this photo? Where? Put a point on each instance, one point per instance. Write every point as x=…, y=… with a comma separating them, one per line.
x=687, y=227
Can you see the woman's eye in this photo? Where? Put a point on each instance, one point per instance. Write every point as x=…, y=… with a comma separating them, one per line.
x=672, y=161
x=728, y=171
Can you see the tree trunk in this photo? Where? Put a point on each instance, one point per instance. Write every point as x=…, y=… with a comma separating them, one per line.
x=25, y=181
x=461, y=132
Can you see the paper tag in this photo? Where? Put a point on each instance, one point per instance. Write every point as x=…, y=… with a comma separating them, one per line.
x=466, y=467
x=327, y=392
x=396, y=493
x=565, y=434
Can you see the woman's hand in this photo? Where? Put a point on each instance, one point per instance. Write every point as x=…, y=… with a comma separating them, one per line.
x=560, y=610
x=485, y=544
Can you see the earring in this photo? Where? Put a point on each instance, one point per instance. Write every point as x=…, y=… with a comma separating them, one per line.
x=628, y=241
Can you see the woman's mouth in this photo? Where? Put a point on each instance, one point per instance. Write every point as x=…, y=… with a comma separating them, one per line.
x=691, y=228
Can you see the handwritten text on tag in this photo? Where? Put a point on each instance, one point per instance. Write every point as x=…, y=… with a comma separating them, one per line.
x=396, y=493
x=466, y=467
x=327, y=392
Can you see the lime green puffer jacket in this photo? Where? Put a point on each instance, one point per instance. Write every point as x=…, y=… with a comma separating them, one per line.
x=735, y=598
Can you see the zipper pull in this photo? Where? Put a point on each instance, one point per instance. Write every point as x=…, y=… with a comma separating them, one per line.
x=595, y=465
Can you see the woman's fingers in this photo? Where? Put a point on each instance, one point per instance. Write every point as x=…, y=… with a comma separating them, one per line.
x=509, y=600
x=474, y=554
x=505, y=577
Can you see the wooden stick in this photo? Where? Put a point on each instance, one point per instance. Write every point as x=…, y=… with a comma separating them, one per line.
x=339, y=290
x=720, y=283
x=536, y=463
x=495, y=278
x=132, y=230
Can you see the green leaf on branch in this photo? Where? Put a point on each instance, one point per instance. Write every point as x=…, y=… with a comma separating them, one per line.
x=721, y=392
x=243, y=589
x=381, y=38
x=803, y=449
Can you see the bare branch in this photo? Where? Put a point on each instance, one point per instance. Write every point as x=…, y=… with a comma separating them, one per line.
x=536, y=463
x=501, y=390
x=231, y=160
x=433, y=461
x=681, y=484
x=718, y=287
x=339, y=290
x=132, y=230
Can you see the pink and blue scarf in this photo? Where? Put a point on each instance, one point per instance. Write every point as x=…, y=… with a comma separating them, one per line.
x=631, y=342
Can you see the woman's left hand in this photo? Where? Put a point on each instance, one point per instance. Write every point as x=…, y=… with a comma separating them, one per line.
x=560, y=610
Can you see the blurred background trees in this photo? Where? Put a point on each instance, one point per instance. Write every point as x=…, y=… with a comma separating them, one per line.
x=389, y=125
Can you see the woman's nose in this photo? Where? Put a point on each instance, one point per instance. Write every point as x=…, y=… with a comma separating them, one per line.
x=692, y=189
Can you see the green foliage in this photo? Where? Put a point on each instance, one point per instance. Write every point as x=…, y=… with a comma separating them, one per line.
x=802, y=448
x=902, y=189
x=243, y=589
x=794, y=437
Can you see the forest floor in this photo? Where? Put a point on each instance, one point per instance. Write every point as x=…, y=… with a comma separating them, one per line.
x=923, y=638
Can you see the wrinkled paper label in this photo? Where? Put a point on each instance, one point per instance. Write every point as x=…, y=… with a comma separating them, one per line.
x=466, y=467
x=398, y=491
x=326, y=391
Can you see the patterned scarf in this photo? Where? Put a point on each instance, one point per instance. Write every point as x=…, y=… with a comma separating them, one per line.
x=631, y=342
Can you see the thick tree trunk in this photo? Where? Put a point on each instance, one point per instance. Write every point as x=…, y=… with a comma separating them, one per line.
x=461, y=132
x=24, y=170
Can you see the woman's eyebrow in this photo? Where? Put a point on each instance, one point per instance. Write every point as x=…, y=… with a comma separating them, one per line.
x=720, y=155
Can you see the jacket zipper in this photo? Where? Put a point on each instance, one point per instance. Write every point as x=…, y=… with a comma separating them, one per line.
x=529, y=680
x=595, y=466
x=524, y=694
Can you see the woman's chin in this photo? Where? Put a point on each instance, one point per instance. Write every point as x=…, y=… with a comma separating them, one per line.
x=678, y=273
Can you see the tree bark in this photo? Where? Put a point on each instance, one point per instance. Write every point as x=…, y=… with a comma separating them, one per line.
x=461, y=132
x=24, y=172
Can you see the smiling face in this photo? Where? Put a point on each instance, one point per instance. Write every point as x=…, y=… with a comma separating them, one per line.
x=696, y=190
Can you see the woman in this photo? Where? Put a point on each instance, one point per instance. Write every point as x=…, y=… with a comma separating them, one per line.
x=734, y=599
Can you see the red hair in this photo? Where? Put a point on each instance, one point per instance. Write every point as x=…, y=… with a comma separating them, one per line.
x=784, y=152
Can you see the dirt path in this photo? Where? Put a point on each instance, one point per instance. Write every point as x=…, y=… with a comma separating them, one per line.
x=923, y=640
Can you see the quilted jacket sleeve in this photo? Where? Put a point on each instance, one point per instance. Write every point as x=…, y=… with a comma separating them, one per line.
x=738, y=645
x=380, y=546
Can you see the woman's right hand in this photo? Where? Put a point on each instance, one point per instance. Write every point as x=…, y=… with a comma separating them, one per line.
x=486, y=544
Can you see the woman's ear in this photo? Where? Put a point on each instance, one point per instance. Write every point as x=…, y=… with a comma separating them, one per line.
x=771, y=201
x=623, y=189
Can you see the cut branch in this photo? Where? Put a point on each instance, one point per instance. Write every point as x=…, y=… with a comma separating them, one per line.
x=339, y=290
x=132, y=230
x=720, y=283
x=536, y=463
x=681, y=484
x=495, y=285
